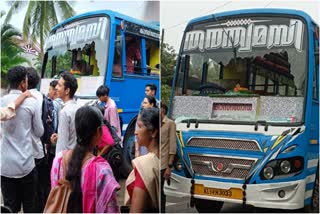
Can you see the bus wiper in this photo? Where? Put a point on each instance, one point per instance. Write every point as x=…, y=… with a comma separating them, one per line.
x=189, y=121
x=261, y=122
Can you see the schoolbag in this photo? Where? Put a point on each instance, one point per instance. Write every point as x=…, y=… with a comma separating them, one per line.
x=59, y=195
x=47, y=119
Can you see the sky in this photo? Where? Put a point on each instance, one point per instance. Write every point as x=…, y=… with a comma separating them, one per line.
x=175, y=15
x=134, y=9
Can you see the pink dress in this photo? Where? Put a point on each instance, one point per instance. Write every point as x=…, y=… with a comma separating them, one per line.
x=98, y=196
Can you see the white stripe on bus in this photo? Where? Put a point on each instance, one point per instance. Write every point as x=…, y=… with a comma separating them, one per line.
x=312, y=163
x=310, y=178
x=308, y=194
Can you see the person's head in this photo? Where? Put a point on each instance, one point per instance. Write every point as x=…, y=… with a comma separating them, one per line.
x=164, y=110
x=52, y=93
x=103, y=93
x=149, y=101
x=18, y=79
x=67, y=86
x=33, y=78
x=88, y=120
x=88, y=123
x=148, y=127
x=151, y=89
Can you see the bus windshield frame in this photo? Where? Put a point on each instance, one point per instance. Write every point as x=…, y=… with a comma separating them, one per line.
x=243, y=64
x=80, y=46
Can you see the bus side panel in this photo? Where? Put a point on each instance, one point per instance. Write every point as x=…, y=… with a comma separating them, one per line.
x=128, y=93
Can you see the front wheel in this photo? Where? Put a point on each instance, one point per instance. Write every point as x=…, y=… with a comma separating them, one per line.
x=128, y=148
x=208, y=206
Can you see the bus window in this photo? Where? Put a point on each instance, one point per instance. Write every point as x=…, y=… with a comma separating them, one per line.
x=117, y=68
x=153, y=56
x=84, y=61
x=133, y=55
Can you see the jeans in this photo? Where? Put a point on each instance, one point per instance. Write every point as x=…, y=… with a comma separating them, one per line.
x=19, y=190
x=43, y=182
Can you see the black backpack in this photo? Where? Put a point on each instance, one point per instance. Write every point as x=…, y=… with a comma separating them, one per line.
x=47, y=119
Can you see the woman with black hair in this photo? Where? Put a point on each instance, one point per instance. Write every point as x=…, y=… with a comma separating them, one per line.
x=91, y=178
x=149, y=101
x=142, y=184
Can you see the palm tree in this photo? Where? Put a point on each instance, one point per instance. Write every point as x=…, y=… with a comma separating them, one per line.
x=40, y=17
x=10, y=51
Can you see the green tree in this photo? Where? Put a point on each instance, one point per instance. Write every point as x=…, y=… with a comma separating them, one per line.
x=168, y=62
x=40, y=17
x=10, y=51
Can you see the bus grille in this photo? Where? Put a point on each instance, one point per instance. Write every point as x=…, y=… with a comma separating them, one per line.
x=223, y=143
x=217, y=166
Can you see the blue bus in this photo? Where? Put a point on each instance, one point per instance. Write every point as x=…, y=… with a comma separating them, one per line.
x=106, y=48
x=245, y=100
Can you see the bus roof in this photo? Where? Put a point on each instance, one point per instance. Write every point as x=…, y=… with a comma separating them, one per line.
x=254, y=11
x=112, y=14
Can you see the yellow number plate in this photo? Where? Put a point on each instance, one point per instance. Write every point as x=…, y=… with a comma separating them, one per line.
x=233, y=193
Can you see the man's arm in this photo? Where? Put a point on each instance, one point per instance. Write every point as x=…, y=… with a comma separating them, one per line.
x=172, y=149
x=63, y=129
x=9, y=111
x=114, y=119
x=21, y=98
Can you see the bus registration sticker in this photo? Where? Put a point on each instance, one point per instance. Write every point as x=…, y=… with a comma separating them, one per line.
x=232, y=193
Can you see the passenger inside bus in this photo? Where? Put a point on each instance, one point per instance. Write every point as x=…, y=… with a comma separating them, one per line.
x=153, y=57
x=133, y=55
x=84, y=61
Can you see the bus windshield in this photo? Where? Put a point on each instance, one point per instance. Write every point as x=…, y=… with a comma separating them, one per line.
x=80, y=47
x=243, y=69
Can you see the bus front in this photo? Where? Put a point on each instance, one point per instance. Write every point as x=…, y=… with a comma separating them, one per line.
x=79, y=46
x=239, y=102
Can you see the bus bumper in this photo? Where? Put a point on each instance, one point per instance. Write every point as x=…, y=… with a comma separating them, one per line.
x=258, y=195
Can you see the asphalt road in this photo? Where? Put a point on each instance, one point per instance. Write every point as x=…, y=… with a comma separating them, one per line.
x=176, y=205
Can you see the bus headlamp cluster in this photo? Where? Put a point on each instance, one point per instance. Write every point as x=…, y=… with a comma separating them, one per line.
x=282, y=168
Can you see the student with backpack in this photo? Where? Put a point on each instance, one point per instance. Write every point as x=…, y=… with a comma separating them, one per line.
x=57, y=104
x=85, y=180
x=39, y=153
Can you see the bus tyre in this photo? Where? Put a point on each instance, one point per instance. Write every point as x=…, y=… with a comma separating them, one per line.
x=128, y=148
x=208, y=206
x=314, y=206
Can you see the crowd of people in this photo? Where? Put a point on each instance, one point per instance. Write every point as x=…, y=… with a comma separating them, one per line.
x=48, y=141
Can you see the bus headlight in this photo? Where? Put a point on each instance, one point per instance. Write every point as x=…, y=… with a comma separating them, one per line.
x=282, y=168
x=285, y=166
x=268, y=173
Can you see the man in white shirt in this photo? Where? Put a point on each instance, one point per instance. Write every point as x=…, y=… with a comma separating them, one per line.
x=66, y=88
x=17, y=162
x=42, y=167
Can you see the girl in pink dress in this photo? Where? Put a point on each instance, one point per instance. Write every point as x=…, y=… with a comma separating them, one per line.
x=91, y=178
